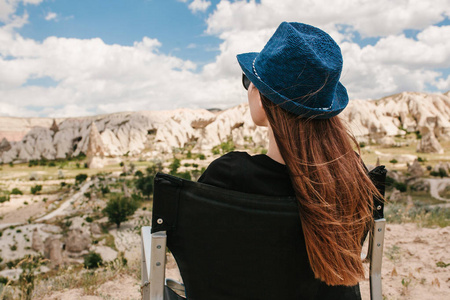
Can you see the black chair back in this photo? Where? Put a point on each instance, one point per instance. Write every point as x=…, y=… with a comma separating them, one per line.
x=232, y=245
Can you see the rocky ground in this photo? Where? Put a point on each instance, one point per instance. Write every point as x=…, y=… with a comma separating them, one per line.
x=64, y=222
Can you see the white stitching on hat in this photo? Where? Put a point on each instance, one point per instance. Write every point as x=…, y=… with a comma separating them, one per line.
x=254, y=70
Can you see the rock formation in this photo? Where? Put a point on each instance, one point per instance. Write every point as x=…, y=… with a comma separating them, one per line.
x=36, y=241
x=77, y=241
x=415, y=169
x=429, y=143
x=159, y=132
x=126, y=191
x=53, y=250
x=95, y=148
x=54, y=126
x=95, y=228
x=4, y=145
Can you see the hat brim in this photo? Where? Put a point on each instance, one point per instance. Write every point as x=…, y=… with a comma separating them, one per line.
x=340, y=99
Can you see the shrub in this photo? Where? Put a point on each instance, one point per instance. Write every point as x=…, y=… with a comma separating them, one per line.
x=400, y=186
x=138, y=173
x=201, y=156
x=441, y=173
x=174, y=166
x=420, y=159
x=393, y=161
x=119, y=208
x=36, y=189
x=92, y=260
x=145, y=184
x=80, y=178
x=16, y=191
x=52, y=164
x=224, y=147
x=4, y=198
x=89, y=219
x=104, y=190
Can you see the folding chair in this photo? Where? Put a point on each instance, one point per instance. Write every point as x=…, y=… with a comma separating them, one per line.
x=228, y=243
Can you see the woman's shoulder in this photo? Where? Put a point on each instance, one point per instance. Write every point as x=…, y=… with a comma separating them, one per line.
x=256, y=174
x=231, y=157
x=222, y=171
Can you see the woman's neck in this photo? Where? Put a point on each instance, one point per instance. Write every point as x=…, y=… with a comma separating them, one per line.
x=273, y=152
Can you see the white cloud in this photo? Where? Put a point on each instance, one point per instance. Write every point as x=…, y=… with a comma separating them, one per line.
x=93, y=77
x=8, y=8
x=50, y=16
x=199, y=5
x=443, y=84
x=370, y=18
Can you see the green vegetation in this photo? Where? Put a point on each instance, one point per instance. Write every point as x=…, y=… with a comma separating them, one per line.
x=119, y=208
x=393, y=161
x=145, y=183
x=4, y=198
x=36, y=189
x=224, y=147
x=80, y=178
x=441, y=173
x=16, y=191
x=392, y=183
x=92, y=260
x=423, y=215
x=441, y=264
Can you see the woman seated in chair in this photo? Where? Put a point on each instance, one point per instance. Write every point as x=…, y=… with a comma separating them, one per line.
x=294, y=90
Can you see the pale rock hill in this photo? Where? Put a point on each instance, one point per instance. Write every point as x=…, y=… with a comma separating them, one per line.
x=408, y=110
x=14, y=129
x=150, y=133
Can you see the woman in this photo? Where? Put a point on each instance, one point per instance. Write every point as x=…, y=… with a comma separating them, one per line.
x=294, y=89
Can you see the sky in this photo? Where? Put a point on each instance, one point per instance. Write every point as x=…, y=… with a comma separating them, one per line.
x=66, y=58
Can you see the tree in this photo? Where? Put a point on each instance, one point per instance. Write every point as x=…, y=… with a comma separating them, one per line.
x=35, y=189
x=80, y=178
x=16, y=191
x=119, y=208
x=93, y=260
x=145, y=183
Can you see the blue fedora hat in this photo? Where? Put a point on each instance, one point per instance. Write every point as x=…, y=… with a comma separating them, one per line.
x=299, y=70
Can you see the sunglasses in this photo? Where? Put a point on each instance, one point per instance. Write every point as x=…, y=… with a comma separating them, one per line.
x=245, y=81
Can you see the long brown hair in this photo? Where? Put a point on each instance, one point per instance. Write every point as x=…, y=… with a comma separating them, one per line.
x=333, y=190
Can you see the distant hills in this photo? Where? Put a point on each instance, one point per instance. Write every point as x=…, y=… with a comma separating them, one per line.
x=152, y=133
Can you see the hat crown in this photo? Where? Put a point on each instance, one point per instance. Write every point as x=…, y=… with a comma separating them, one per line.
x=302, y=63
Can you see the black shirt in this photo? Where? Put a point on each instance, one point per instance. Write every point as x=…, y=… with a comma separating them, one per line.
x=258, y=174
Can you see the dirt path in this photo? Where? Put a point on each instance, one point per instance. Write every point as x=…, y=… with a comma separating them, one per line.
x=61, y=210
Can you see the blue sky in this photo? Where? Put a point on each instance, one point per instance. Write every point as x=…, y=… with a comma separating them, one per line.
x=69, y=58
x=125, y=21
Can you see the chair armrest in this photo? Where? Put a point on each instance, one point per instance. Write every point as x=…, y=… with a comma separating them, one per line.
x=153, y=264
x=376, y=255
